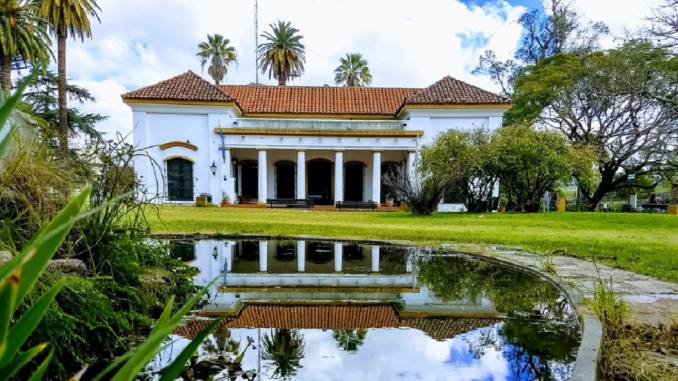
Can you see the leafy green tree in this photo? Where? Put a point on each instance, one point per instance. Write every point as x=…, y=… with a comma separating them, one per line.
x=23, y=38
x=465, y=158
x=42, y=97
x=349, y=339
x=217, y=51
x=545, y=34
x=285, y=348
x=282, y=55
x=67, y=18
x=529, y=162
x=620, y=102
x=353, y=70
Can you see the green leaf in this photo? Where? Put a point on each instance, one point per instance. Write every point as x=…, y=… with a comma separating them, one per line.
x=22, y=330
x=171, y=372
x=8, y=290
x=34, y=257
x=40, y=371
x=13, y=367
x=11, y=102
x=164, y=326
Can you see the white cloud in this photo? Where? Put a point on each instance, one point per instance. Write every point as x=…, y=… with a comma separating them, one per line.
x=407, y=43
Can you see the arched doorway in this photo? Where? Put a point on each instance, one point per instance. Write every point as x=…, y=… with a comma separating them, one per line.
x=354, y=180
x=319, y=180
x=284, y=179
x=179, y=179
x=388, y=168
x=249, y=180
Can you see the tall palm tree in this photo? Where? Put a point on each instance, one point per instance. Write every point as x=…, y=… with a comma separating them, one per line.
x=285, y=347
x=283, y=54
x=219, y=53
x=67, y=18
x=349, y=339
x=353, y=71
x=22, y=38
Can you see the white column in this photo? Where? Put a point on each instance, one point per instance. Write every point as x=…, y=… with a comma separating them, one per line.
x=227, y=176
x=376, y=176
x=301, y=256
x=263, y=256
x=338, y=176
x=230, y=247
x=375, y=258
x=301, y=174
x=338, y=256
x=263, y=177
x=226, y=165
x=409, y=262
x=411, y=164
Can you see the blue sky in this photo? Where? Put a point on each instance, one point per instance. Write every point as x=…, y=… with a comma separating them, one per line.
x=407, y=43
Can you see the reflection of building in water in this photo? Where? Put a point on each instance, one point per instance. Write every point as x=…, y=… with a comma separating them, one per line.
x=311, y=271
x=338, y=317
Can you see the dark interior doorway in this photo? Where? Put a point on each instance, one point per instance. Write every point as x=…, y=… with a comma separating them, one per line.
x=284, y=179
x=319, y=180
x=249, y=170
x=388, y=168
x=179, y=179
x=354, y=174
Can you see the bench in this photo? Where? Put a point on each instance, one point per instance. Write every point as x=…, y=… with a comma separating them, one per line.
x=655, y=206
x=290, y=203
x=357, y=205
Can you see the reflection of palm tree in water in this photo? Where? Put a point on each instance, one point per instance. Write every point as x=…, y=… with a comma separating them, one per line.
x=348, y=339
x=223, y=343
x=285, y=348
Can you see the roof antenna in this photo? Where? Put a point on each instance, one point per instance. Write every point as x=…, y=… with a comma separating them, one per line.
x=256, y=41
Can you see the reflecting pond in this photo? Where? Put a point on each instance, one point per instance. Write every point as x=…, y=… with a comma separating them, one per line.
x=328, y=310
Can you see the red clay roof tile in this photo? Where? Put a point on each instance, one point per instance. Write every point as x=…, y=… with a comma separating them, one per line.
x=183, y=87
x=263, y=99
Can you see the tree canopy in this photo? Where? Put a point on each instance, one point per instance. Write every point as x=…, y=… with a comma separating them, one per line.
x=283, y=55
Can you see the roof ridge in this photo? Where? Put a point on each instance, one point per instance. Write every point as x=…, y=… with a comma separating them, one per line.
x=321, y=87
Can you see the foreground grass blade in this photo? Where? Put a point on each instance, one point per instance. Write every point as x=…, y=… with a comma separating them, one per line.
x=6, y=140
x=34, y=257
x=171, y=372
x=29, y=321
x=8, y=291
x=13, y=367
x=165, y=325
x=40, y=371
x=11, y=102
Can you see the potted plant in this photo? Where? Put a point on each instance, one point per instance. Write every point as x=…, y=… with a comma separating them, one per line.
x=225, y=201
x=390, y=201
x=503, y=202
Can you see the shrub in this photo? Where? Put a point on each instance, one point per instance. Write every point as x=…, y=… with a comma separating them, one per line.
x=465, y=159
x=421, y=192
x=529, y=162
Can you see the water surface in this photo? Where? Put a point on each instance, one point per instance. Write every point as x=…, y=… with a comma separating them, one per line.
x=327, y=310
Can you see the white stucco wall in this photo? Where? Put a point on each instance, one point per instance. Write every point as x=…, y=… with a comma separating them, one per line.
x=158, y=124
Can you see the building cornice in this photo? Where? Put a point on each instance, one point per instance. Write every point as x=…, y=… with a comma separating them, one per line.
x=334, y=133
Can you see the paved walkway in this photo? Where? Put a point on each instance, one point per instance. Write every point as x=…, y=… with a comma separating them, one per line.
x=652, y=301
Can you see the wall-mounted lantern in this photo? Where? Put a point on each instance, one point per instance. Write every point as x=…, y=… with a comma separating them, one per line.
x=213, y=168
x=215, y=253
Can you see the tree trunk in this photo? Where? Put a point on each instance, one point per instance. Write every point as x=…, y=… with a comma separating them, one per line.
x=63, y=101
x=281, y=80
x=604, y=187
x=6, y=76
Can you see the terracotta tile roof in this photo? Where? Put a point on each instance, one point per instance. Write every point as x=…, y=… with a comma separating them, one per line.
x=311, y=100
x=453, y=91
x=183, y=87
x=316, y=316
x=261, y=99
x=337, y=317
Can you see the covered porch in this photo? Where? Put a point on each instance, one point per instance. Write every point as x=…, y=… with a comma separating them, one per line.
x=323, y=176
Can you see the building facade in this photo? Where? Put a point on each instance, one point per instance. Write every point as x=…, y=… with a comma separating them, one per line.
x=253, y=143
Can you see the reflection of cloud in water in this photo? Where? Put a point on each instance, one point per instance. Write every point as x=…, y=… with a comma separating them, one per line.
x=389, y=354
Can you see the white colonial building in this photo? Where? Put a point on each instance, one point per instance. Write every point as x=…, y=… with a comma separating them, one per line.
x=254, y=143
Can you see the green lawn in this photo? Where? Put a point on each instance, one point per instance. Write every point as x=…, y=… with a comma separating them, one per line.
x=644, y=243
